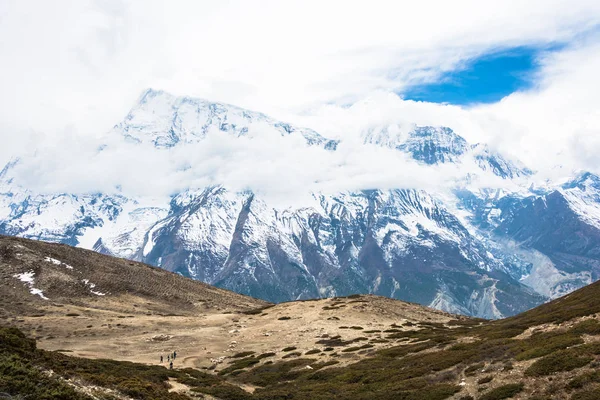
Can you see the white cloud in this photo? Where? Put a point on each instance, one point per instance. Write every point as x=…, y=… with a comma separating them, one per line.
x=71, y=70
x=285, y=169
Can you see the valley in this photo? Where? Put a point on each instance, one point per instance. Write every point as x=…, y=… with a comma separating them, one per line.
x=104, y=341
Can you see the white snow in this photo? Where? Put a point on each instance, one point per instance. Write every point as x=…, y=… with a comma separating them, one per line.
x=53, y=261
x=29, y=280
x=39, y=293
x=166, y=120
x=585, y=203
x=92, y=286
x=57, y=262
x=26, y=277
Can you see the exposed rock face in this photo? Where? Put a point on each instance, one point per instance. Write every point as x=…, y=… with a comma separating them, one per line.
x=482, y=252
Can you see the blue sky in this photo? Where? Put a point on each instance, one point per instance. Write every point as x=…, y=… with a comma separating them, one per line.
x=485, y=79
x=74, y=69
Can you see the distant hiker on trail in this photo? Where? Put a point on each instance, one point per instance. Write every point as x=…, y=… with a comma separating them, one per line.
x=174, y=355
x=171, y=365
x=168, y=357
x=161, y=359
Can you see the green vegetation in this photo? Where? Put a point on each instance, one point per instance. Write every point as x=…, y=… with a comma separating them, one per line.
x=243, y=354
x=564, y=360
x=557, y=362
x=265, y=355
x=356, y=348
x=256, y=311
x=503, y=392
x=473, y=369
x=584, y=379
x=22, y=374
x=239, y=364
x=592, y=394
x=589, y=327
x=425, y=362
x=542, y=344
x=293, y=354
x=19, y=376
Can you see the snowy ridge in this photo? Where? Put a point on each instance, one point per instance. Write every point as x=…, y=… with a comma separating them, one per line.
x=484, y=251
x=166, y=120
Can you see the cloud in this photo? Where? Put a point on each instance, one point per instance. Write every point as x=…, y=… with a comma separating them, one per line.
x=84, y=63
x=284, y=170
x=71, y=71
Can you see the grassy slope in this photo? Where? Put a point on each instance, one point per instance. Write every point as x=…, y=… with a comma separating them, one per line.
x=559, y=361
x=25, y=371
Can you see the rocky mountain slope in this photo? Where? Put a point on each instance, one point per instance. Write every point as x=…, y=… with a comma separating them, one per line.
x=35, y=276
x=480, y=251
x=357, y=347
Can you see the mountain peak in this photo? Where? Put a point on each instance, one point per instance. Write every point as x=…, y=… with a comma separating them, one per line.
x=501, y=166
x=166, y=120
x=428, y=144
x=433, y=145
x=583, y=181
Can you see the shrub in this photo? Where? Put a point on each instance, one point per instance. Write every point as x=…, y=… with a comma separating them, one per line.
x=243, y=354
x=256, y=311
x=589, y=326
x=473, y=369
x=593, y=394
x=503, y=392
x=543, y=344
x=290, y=348
x=265, y=355
x=239, y=364
x=582, y=380
x=271, y=374
x=557, y=362
x=485, y=379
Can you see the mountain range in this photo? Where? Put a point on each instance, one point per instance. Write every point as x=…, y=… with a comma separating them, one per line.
x=482, y=251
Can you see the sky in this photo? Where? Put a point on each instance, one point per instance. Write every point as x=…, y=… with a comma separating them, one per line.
x=521, y=76
x=485, y=79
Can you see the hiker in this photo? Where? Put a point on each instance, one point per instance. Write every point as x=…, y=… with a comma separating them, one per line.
x=171, y=365
x=168, y=357
x=161, y=359
x=174, y=355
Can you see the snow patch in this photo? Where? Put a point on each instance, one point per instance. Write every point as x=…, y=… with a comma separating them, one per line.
x=57, y=262
x=91, y=286
x=28, y=279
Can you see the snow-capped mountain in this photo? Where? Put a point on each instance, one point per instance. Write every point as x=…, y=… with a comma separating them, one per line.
x=487, y=252
x=166, y=120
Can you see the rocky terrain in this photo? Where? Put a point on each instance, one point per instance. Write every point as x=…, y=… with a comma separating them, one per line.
x=100, y=336
x=486, y=252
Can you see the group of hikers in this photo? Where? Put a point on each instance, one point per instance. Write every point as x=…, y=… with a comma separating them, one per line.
x=170, y=358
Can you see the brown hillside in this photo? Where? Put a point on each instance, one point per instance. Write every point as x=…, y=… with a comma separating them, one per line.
x=234, y=347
